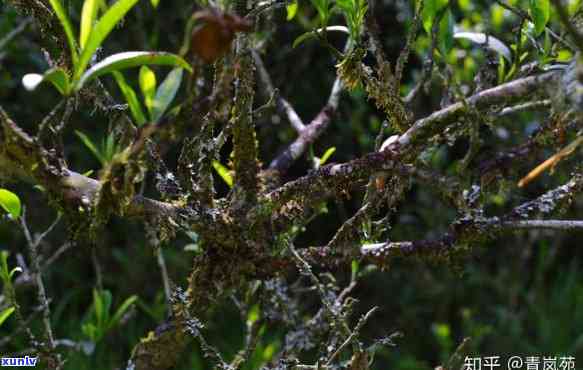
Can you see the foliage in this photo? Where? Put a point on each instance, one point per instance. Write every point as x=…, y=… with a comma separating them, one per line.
x=267, y=216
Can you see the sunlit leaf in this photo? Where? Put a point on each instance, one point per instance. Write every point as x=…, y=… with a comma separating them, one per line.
x=292, y=10
x=130, y=59
x=147, y=81
x=100, y=31
x=88, y=15
x=5, y=314
x=224, y=173
x=166, y=93
x=66, y=24
x=155, y=3
x=327, y=154
x=10, y=203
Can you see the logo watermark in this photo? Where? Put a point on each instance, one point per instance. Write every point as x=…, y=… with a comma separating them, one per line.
x=18, y=361
x=520, y=362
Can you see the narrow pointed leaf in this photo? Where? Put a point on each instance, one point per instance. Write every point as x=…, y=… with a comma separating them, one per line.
x=148, y=86
x=88, y=15
x=327, y=154
x=131, y=98
x=223, y=173
x=66, y=24
x=10, y=203
x=130, y=59
x=100, y=31
x=5, y=314
x=166, y=93
x=89, y=144
x=122, y=310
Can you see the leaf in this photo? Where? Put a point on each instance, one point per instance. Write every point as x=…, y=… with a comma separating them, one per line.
x=89, y=144
x=4, y=267
x=100, y=31
x=292, y=10
x=154, y=3
x=166, y=93
x=57, y=76
x=10, y=202
x=130, y=59
x=327, y=154
x=430, y=10
x=489, y=41
x=540, y=10
x=223, y=173
x=98, y=307
x=88, y=15
x=147, y=81
x=307, y=35
x=121, y=311
x=5, y=314
x=62, y=16
x=131, y=98
x=323, y=8
x=445, y=36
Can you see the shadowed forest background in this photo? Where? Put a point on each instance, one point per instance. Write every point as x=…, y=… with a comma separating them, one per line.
x=519, y=292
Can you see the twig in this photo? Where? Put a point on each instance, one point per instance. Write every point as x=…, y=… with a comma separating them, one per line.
x=164, y=273
x=282, y=104
x=352, y=335
x=37, y=273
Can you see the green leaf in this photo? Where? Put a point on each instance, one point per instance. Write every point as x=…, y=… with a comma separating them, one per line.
x=57, y=76
x=4, y=267
x=131, y=98
x=430, y=10
x=62, y=16
x=166, y=93
x=446, y=27
x=98, y=308
x=122, y=310
x=89, y=144
x=88, y=15
x=540, y=10
x=130, y=59
x=100, y=31
x=148, y=86
x=224, y=173
x=5, y=314
x=323, y=8
x=90, y=330
x=10, y=202
x=154, y=3
x=327, y=154
x=292, y=10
